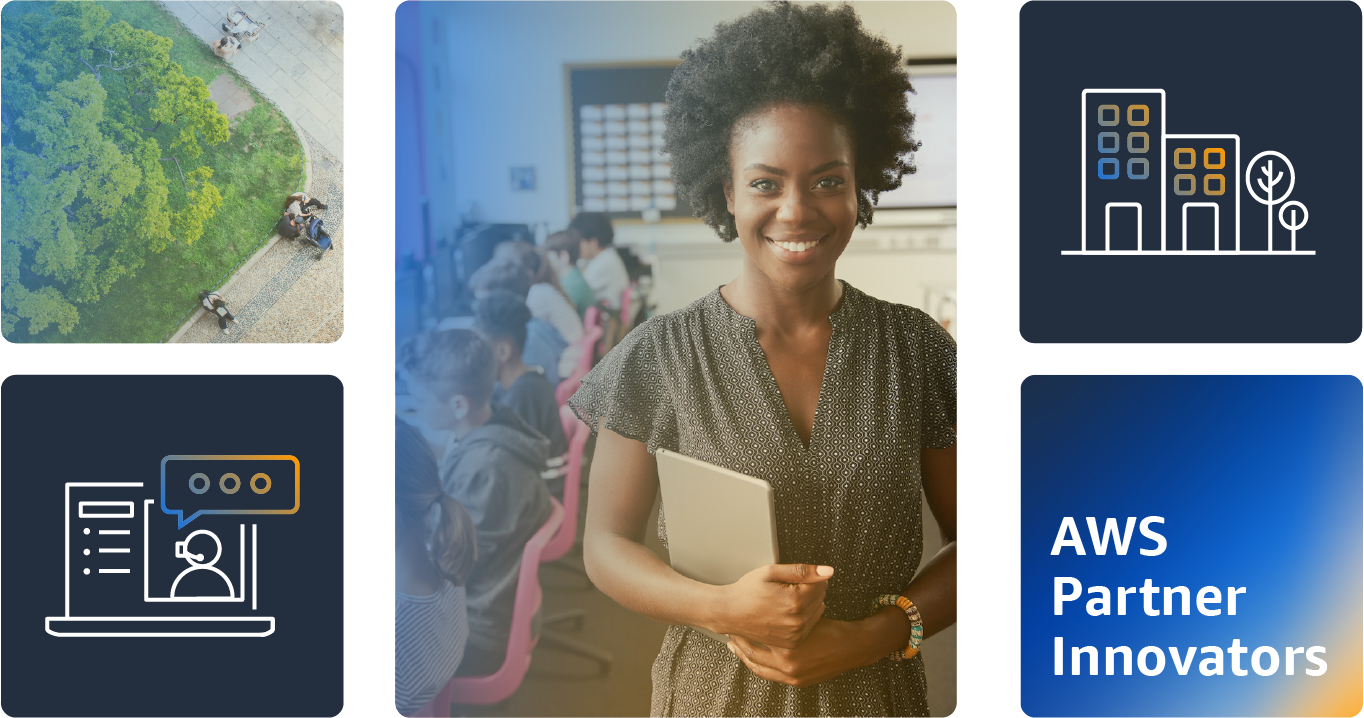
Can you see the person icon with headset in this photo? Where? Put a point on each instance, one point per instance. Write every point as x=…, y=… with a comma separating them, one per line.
x=197, y=563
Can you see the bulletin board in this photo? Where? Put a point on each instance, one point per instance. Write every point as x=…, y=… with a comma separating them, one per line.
x=616, y=138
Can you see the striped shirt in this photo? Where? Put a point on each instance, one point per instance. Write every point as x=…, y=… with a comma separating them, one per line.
x=429, y=636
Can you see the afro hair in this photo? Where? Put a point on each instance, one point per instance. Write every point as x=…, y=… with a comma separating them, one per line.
x=804, y=54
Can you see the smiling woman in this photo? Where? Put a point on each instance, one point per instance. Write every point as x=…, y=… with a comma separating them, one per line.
x=783, y=129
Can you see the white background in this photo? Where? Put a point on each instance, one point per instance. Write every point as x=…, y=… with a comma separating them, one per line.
x=993, y=359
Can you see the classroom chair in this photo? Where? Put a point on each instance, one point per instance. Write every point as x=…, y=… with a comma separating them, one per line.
x=592, y=332
x=486, y=690
x=627, y=309
x=577, y=433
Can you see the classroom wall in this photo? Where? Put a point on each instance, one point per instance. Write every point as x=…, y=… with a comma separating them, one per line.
x=507, y=92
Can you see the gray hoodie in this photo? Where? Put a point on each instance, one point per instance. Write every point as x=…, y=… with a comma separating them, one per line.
x=494, y=472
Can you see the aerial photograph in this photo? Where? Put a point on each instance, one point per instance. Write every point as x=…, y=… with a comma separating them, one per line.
x=172, y=172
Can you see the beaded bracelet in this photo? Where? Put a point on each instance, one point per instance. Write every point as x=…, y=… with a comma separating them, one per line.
x=916, y=624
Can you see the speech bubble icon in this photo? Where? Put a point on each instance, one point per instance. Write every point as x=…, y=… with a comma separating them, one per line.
x=194, y=485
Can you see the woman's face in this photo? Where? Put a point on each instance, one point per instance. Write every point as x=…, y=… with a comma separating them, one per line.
x=791, y=192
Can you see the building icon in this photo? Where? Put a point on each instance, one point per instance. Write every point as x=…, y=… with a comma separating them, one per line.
x=1146, y=191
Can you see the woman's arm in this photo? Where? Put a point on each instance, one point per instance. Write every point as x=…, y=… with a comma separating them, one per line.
x=934, y=589
x=775, y=604
x=834, y=647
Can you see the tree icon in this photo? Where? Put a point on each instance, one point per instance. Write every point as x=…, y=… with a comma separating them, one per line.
x=1292, y=224
x=1268, y=178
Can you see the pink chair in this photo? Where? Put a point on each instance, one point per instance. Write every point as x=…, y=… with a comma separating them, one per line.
x=557, y=548
x=627, y=317
x=592, y=332
x=486, y=690
x=577, y=433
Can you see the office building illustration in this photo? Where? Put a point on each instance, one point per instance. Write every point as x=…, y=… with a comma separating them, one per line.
x=1148, y=191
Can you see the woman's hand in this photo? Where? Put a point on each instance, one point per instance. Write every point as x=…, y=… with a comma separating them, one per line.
x=776, y=605
x=832, y=648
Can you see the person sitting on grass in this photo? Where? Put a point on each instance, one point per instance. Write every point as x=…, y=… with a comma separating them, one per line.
x=432, y=564
x=491, y=467
x=501, y=317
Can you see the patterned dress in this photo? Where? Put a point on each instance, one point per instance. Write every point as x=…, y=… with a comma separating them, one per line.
x=696, y=381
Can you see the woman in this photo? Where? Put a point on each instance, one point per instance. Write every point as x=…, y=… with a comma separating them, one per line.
x=297, y=203
x=783, y=128
x=431, y=622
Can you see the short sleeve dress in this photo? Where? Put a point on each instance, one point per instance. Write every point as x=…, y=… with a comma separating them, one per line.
x=696, y=381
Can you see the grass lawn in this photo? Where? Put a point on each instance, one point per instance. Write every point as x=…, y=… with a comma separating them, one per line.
x=254, y=170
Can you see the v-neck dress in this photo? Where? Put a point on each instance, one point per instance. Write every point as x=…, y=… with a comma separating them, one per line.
x=696, y=381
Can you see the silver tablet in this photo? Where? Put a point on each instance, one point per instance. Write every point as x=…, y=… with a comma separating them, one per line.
x=721, y=524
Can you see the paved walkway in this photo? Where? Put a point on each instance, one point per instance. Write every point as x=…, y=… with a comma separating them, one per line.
x=290, y=293
x=287, y=293
x=295, y=61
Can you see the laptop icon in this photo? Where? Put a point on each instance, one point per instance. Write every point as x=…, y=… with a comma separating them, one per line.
x=141, y=576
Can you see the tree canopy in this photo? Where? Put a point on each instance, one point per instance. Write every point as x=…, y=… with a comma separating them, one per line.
x=93, y=115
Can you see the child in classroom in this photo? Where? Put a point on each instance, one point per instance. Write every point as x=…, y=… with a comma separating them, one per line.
x=432, y=564
x=501, y=317
x=492, y=467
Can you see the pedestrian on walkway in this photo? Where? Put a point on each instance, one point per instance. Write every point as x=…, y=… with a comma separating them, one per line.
x=227, y=47
x=214, y=304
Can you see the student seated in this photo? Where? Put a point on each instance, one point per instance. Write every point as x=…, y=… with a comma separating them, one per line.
x=431, y=567
x=604, y=270
x=546, y=299
x=561, y=250
x=492, y=467
x=501, y=317
x=544, y=344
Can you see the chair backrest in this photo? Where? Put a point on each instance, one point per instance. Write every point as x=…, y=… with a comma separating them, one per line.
x=592, y=331
x=627, y=316
x=486, y=690
x=591, y=326
x=577, y=433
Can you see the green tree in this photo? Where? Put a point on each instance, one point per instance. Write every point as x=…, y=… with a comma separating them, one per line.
x=92, y=112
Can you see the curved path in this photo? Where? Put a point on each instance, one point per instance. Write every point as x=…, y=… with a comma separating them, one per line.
x=285, y=293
